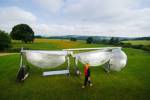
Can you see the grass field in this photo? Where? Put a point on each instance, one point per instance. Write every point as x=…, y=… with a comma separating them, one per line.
x=138, y=42
x=45, y=44
x=132, y=83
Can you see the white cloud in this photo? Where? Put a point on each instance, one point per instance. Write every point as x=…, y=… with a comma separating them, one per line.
x=116, y=17
x=11, y=16
x=15, y=14
x=83, y=17
x=99, y=8
x=52, y=5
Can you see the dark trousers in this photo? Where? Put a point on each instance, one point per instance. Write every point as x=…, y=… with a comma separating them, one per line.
x=86, y=80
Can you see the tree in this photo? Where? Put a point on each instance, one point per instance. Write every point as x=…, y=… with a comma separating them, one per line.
x=89, y=40
x=38, y=36
x=105, y=41
x=111, y=41
x=116, y=40
x=73, y=39
x=5, y=40
x=22, y=32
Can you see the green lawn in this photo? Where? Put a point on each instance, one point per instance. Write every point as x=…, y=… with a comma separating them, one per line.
x=132, y=83
x=138, y=42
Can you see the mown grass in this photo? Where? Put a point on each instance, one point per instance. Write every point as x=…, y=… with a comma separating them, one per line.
x=138, y=42
x=132, y=83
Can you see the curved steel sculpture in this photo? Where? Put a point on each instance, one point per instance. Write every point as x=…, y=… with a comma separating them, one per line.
x=115, y=56
x=45, y=59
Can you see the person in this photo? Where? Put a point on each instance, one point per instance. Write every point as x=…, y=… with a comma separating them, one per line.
x=87, y=75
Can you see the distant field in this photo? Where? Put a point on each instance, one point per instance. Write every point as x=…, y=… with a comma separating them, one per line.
x=132, y=83
x=138, y=42
x=53, y=44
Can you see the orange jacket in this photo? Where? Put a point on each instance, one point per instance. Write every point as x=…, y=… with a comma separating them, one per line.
x=86, y=68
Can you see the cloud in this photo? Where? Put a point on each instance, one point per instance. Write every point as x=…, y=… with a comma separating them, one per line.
x=112, y=16
x=82, y=17
x=53, y=6
x=99, y=8
x=15, y=14
x=11, y=16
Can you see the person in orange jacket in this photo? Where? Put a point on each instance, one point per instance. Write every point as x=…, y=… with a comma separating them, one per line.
x=87, y=75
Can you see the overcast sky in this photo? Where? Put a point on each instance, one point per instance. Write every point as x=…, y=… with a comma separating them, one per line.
x=125, y=18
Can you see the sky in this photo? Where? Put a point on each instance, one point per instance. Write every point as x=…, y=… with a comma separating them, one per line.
x=121, y=18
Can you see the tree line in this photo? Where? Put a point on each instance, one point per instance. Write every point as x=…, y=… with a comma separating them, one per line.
x=116, y=42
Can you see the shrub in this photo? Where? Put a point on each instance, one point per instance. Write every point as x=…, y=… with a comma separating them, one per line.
x=5, y=41
x=146, y=47
x=73, y=39
x=128, y=45
x=89, y=40
x=137, y=46
x=114, y=41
